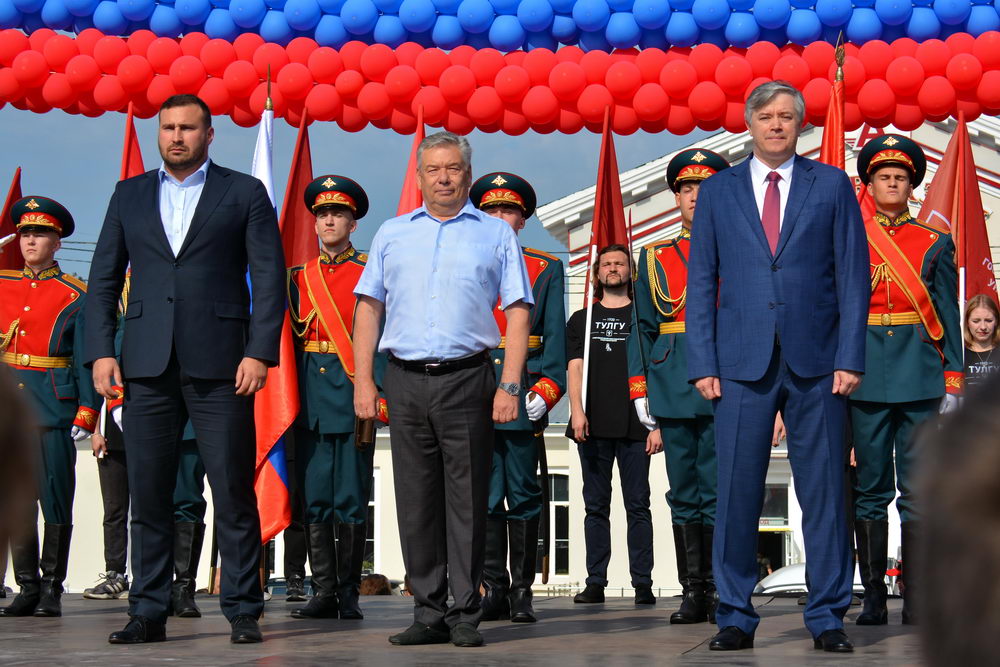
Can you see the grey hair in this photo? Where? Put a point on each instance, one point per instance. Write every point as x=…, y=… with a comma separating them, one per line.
x=766, y=92
x=446, y=139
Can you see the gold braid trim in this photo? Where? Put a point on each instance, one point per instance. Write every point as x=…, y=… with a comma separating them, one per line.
x=880, y=272
x=7, y=337
x=660, y=294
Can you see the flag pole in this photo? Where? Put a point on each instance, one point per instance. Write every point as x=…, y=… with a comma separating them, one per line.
x=588, y=299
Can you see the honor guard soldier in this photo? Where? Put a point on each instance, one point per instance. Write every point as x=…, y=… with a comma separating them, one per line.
x=334, y=472
x=41, y=339
x=913, y=365
x=684, y=417
x=517, y=445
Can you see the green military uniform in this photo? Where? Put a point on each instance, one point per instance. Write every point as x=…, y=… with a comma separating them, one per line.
x=333, y=476
x=913, y=358
x=515, y=501
x=685, y=418
x=41, y=339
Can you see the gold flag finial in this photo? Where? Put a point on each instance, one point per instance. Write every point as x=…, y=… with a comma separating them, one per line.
x=839, y=56
x=269, y=105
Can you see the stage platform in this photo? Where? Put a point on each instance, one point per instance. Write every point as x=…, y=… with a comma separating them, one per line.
x=612, y=634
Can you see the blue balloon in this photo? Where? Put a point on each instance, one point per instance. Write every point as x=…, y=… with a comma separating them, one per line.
x=594, y=41
x=803, y=4
x=540, y=40
x=741, y=5
x=247, y=13
x=565, y=30
x=359, y=16
x=681, y=5
x=653, y=39
x=164, y=22
x=417, y=15
x=447, y=33
x=508, y=7
x=10, y=17
x=506, y=33
x=475, y=15
x=220, y=3
x=447, y=6
x=982, y=19
x=332, y=6
x=622, y=31
x=562, y=6
x=804, y=27
x=388, y=6
x=193, y=12
x=893, y=12
x=535, y=15
x=923, y=24
x=742, y=30
x=621, y=5
x=330, y=32
x=651, y=14
x=776, y=36
x=81, y=7
x=28, y=6
x=302, y=15
x=952, y=12
x=923, y=3
x=591, y=15
x=682, y=30
x=479, y=40
x=82, y=23
x=864, y=26
x=275, y=28
x=834, y=12
x=55, y=15
x=32, y=22
x=389, y=30
x=717, y=37
x=219, y=25
x=108, y=18
x=137, y=10
x=710, y=14
x=772, y=13
x=864, y=3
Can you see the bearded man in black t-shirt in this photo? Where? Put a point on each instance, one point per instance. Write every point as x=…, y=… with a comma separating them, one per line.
x=614, y=425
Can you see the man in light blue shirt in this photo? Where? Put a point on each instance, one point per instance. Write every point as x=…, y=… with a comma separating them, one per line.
x=178, y=199
x=436, y=274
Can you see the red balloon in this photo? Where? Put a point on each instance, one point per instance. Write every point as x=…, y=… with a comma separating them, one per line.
x=511, y=83
x=734, y=120
x=904, y=46
x=325, y=64
x=373, y=101
x=138, y=42
x=295, y=80
x=160, y=88
x=58, y=51
x=141, y=107
x=108, y=52
x=109, y=94
x=818, y=55
x=323, y=102
x=434, y=105
x=964, y=71
x=623, y=120
x=10, y=87
x=401, y=83
x=538, y=63
x=934, y=55
x=651, y=102
x=595, y=65
x=462, y=55
x=817, y=96
x=678, y=77
x=705, y=58
x=351, y=53
x=38, y=38
x=407, y=52
x=12, y=42
x=733, y=74
x=35, y=102
x=402, y=122
x=300, y=48
x=905, y=76
x=679, y=120
x=58, y=92
x=707, y=101
x=429, y=65
x=269, y=55
x=82, y=72
x=567, y=80
x=623, y=79
x=876, y=99
x=162, y=53
x=650, y=62
x=243, y=116
x=936, y=96
x=569, y=54
x=351, y=120
x=852, y=116
x=793, y=69
x=762, y=56
x=217, y=55
x=293, y=116
x=485, y=64
x=515, y=58
x=570, y=122
x=485, y=106
x=459, y=123
x=960, y=42
x=246, y=45
x=30, y=69
x=988, y=91
x=192, y=43
x=349, y=84
x=854, y=74
x=593, y=102
x=215, y=94
x=134, y=73
x=457, y=84
x=876, y=56
x=258, y=100
x=986, y=48
x=514, y=124
x=540, y=105
x=907, y=117
x=187, y=74
x=376, y=61
x=240, y=78
x=86, y=40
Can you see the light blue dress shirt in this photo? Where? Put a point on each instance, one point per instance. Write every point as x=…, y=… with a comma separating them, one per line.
x=440, y=280
x=178, y=201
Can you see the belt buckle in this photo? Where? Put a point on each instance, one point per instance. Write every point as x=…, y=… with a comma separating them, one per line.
x=324, y=346
x=25, y=359
x=428, y=368
x=886, y=319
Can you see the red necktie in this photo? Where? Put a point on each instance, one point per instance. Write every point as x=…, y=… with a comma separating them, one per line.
x=771, y=215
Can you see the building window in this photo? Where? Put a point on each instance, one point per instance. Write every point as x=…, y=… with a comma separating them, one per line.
x=775, y=512
x=558, y=525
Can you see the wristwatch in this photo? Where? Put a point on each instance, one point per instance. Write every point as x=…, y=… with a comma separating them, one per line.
x=511, y=388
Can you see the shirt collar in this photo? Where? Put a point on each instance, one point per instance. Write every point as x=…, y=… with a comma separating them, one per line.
x=468, y=209
x=325, y=257
x=898, y=221
x=196, y=178
x=759, y=170
x=50, y=272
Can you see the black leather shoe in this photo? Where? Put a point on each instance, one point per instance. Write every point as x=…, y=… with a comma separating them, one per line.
x=420, y=633
x=644, y=595
x=140, y=630
x=22, y=605
x=245, y=630
x=465, y=634
x=591, y=594
x=730, y=638
x=295, y=588
x=834, y=641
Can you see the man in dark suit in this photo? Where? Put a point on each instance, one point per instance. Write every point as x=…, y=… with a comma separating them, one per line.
x=190, y=231
x=777, y=305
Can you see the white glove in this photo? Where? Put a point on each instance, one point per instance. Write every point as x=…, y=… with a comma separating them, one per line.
x=948, y=404
x=642, y=409
x=116, y=414
x=535, y=406
x=78, y=433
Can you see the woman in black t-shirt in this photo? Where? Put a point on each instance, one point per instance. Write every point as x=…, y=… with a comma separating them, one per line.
x=982, y=340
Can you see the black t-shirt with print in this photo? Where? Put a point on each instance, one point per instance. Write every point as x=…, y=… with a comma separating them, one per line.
x=979, y=366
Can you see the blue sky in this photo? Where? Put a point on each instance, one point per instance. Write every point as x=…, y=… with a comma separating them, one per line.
x=76, y=161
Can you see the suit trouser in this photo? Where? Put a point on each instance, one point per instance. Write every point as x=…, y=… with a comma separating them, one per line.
x=112, y=471
x=514, y=476
x=334, y=478
x=442, y=442
x=189, y=492
x=689, y=452
x=597, y=458
x=156, y=410
x=744, y=424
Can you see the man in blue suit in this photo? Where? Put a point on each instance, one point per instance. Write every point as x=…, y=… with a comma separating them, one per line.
x=777, y=306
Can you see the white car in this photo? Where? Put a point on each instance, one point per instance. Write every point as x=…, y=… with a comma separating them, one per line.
x=791, y=579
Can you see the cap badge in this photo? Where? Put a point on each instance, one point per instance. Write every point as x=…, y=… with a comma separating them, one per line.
x=499, y=180
x=698, y=157
x=890, y=141
x=329, y=183
x=32, y=204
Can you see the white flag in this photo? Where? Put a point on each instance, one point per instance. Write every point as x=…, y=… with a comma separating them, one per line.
x=262, y=153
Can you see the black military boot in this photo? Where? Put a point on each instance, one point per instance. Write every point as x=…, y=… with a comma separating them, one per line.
x=24, y=558
x=687, y=545
x=911, y=573
x=350, y=560
x=54, y=562
x=495, y=604
x=523, y=536
x=188, y=539
x=323, y=563
x=873, y=546
x=707, y=574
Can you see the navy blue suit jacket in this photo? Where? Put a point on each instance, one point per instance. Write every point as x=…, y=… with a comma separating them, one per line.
x=197, y=302
x=812, y=293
